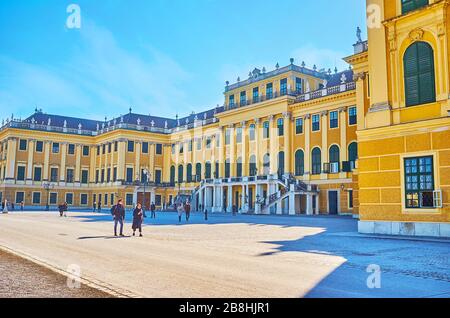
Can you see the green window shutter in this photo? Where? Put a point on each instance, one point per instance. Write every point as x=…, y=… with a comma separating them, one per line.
x=418, y=63
x=410, y=5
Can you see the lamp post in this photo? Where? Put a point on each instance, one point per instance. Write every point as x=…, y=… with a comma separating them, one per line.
x=47, y=187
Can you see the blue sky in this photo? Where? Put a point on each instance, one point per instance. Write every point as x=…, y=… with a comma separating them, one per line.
x=160, y=57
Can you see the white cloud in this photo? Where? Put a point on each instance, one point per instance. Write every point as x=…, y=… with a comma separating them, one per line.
x=99, y=79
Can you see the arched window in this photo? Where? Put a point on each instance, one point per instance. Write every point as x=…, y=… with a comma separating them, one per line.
x=180, y=173
x=418, y=63
x=189, y=172
x=334, y=159
x=198, y=172
x=227, y=168
x=208, y=170
x=172, y=175
x=316, y=161
x=239, y=167
x=252, y=166
x=280, y=163
x=299, y=163
x=266, y=164
x=352, y=154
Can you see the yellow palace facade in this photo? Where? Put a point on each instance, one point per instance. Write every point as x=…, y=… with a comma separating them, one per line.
x=372, y=141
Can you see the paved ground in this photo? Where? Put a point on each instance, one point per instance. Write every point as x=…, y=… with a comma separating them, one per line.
x=243, y=256
x=22, y=278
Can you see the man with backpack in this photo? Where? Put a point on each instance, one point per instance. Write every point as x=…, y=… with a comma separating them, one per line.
x=118, y=213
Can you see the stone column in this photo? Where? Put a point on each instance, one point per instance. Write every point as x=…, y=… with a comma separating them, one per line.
x=77, y=163
x=105, y=164
x=292, y=201
x=11, y=158
x=232, y=151
x=46, y=160
x=137, y=159
x=324, y=130
x=343, y=140
x=92, y=162
x=287, y=143
x=307, y=154
x=317, y=204
x=230, y=199
x=167, y=162
x=309, y=205
x=186, y=160
x=30, y=148
x=121, y=160
x=257, y=145
x=63, y=162
x=273, y=141
x=244, y=154
x=213, y=156
x=222, y=153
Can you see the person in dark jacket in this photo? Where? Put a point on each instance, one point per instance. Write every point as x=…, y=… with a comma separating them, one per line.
x=187, y=209
x=99, y=206
x=118, y=213
x=62, y=209
x=138, y=217
x=153, y=209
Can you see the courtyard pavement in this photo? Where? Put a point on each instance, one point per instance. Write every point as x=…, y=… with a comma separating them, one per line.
x=226, y=256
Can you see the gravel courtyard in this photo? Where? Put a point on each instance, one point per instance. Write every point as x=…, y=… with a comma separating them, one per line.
x=226, y=256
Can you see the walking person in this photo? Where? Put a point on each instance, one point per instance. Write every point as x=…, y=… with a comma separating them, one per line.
x=94, y=206
x=180, y=211
x=5, y=206
x=22, y=205
x=118, y=213
x=138, y=217
x=99, y=206
x=153, y=210
x=187, y=209
x=62, y=208
x=206, y=214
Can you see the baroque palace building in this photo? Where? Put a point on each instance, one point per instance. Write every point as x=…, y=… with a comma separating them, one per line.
x=372, y=141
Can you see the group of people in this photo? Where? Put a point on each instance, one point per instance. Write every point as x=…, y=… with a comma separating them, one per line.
x=118, y=213
x=184, y=207
x=6, y=206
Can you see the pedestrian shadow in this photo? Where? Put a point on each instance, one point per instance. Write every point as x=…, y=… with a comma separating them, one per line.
x=407, y=268
x=106, y=237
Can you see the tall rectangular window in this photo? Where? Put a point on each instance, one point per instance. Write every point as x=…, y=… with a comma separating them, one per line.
x=266, y=130
x=23, y=144
x=129, y=174
x=239, y=135
x=109, y=148
x=334, y=122
x=158, y=149
x=231, y=101
x=316, y=122
x=71, y=149
x=21, y=173
x=115, y=174
x=298, y=85
x=84, y=176
x=243, y=98
x=299, y=126
x=20, y=197
x=85, y=151
x=130, y=146
x=280, y=126
x=419, y=182
x=199, y=143
x=352, y=116
x=129, y=199
x=36, y=198
x=55, y=147
x=69, y=175
x=83, y=199
x=269, y=91
x=227, y=136
x=53, y=174
x=39, y=146
x=145, y=147
x=158, y=176
x=53, y=198
x=69, y=198
x=283, y=87
x=37, y=174
x=251, y=132
x=255, y=94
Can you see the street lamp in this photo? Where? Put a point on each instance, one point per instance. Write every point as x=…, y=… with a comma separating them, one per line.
x=47, y=187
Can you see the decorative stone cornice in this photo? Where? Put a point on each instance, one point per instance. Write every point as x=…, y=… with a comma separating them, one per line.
x=416, y=34
x=307, y=116
x=379, y=107
x=359, y=76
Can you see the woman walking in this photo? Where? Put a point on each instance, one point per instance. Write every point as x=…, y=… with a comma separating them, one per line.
x=180, y=211
x=63, y=209
x=138, y=217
